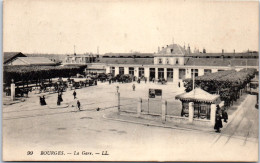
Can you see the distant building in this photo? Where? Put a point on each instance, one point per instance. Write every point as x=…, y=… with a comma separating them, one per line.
x=11, y=56
x=175, y=63
x=36, y=61
x=80, y=59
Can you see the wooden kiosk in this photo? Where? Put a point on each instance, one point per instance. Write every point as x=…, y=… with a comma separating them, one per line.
x=199, y=103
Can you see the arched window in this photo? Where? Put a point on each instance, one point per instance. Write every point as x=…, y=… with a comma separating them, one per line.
x=167, y=61
x=160, y=61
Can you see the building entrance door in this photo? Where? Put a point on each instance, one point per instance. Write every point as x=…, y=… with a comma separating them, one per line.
x=169, y=74
x=152, y=74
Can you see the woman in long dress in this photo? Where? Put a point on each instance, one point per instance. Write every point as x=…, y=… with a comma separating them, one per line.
x=43, y=100
x=218, y=121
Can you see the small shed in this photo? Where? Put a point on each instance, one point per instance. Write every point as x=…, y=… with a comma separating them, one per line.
x=202, y=102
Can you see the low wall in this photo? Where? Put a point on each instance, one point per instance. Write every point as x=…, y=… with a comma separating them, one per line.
x=169, y=118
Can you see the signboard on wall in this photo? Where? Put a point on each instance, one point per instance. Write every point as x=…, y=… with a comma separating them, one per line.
x=155, y=92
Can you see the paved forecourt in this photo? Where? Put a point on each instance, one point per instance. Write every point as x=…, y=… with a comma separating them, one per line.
x=27, y=126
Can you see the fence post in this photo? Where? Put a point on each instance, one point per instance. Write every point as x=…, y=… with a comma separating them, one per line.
x=139, y=107
x=12, y=91
x=164, y=108
x=191, y=111
x=212, y=114
x=118, y=102
x=148, y=106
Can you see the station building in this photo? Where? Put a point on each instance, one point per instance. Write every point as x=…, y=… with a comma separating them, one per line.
x=172, y=62
x=175, y=63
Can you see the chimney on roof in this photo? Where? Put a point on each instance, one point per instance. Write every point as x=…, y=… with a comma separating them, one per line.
x=222, y=51
x=204, y=50
x=162, y=47
x=188, y=49
x=234, y=51
x=158, y=49
x=167, y=45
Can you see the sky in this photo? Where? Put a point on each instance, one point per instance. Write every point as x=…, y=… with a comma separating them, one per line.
x=55, y=26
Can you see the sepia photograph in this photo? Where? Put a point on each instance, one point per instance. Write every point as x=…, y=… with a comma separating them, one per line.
x=130, y=80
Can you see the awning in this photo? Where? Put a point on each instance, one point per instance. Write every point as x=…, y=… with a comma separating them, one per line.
x=199, y=95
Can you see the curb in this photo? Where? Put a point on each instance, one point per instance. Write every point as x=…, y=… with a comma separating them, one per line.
x=157, y=125
x=178, y=128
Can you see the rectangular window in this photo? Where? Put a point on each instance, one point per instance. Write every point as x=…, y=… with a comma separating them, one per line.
x=121, y=70
x=169, y=74
x=196, y=72
x=141, y=71
x=160, y=73
x=131, y=71
x=182, y=73
x=207, y=71
x=152, y=74
x=112, y=70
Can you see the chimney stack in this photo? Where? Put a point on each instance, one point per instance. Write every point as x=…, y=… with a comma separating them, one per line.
x=158, y=49
x=204, y=50
x=188, y=49
x=234, y=51
x=222, y=51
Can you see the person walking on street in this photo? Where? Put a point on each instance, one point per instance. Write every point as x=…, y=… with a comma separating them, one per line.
x=43, y=100
x=133, y=87
x=41, y=103
x=78, y=105
x=58, y=101
x=61, y=96
x=74, y=94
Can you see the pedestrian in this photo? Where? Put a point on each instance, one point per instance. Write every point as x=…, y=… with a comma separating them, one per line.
x=218, y=121
x=41, y=103
x=58, y=101
x=78, y=105
x=43, y=100
x=224, y=115
x=74, y=94
x=60, y=96
x=133, y=87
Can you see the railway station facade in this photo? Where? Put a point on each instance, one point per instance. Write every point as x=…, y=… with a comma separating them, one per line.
x=175, y=63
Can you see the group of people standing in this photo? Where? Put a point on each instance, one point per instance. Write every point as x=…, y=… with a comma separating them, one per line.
x=59, y=99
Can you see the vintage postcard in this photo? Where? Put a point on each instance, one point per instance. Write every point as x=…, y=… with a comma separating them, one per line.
x=130, y=80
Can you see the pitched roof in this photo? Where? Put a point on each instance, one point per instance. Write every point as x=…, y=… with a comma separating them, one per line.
x=231, y=55
x=36, y=60
x=172, y=49
x=128, y=55
x=140, y=61
x=8, y=56
x=220, y=62
x=198, y=95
